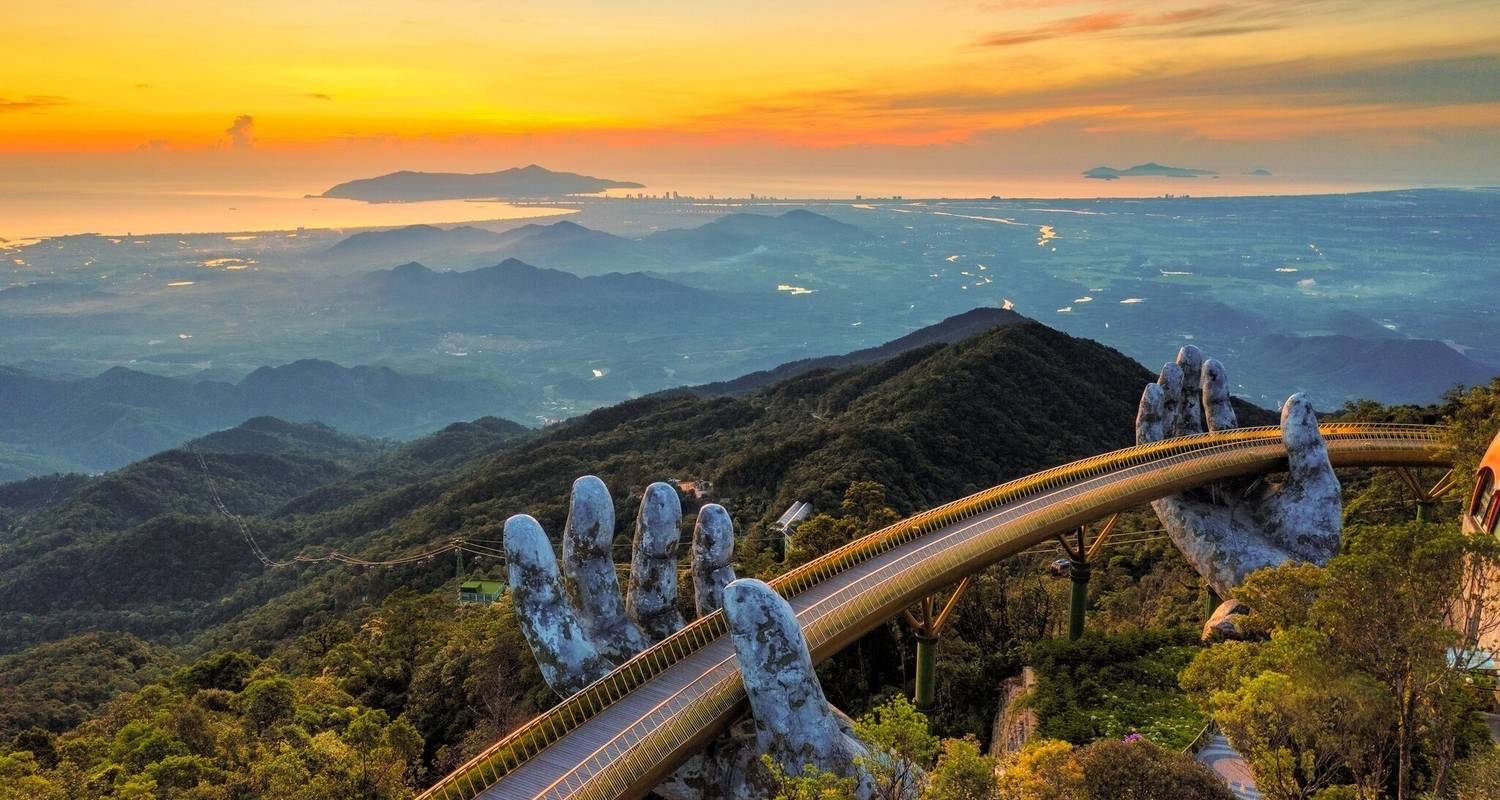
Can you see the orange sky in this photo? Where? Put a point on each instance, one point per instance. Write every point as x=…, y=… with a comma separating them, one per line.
x=282, y=92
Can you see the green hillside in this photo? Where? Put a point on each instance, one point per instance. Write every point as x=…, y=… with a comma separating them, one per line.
x=144, y=550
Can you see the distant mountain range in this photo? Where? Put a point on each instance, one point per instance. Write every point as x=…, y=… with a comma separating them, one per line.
x=1150, y=169
x=49, y=423
x=567, y=245
x=520, y=182
x=514, y=282
x=1393, y=368
x=386, y=248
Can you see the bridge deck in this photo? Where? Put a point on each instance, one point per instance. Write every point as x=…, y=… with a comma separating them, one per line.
x=621, y=736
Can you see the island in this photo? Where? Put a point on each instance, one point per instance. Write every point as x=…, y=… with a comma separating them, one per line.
x=1150, y=169
x=531, y=181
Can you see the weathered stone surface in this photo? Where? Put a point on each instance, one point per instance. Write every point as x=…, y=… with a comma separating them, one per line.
x=653, y=567
x=1228, y=530
x=566, y=621
x=793, y=722
x=1190, y=410
x=1216, y=405
x=568, y=660
x=589, y=574
x=1227, y=622
x=713, y=549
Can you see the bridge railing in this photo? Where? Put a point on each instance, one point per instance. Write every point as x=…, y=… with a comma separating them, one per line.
x=531, y=738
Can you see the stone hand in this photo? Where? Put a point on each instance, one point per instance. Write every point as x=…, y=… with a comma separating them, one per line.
x=579, y=629
x=1232, y=528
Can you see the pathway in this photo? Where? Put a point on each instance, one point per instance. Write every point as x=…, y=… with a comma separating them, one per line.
x=1229, y=765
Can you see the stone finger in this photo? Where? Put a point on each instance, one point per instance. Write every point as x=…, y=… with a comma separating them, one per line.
x=713, y=549
x=1307, y=511
x=653, y=566
x=793, y=721
x=1190, y=415
x=1170, y=380
x=1216, y=405
x=589, y=574
x=568, y=660
x=1148, y=417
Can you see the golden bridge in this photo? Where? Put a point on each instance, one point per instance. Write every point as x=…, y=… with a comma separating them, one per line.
x=622, y=735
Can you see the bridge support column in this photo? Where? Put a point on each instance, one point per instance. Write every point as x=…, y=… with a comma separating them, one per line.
x=929, y=623
x=1427, y=498
x=1078, y=572
x=926, y=682
x=1080, y=554
x=1211, y=601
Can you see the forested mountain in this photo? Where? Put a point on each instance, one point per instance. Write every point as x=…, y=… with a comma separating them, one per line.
x=952, y=329
x=144, y=547
x=104, y=422
x=145, y=551
x=930, y=424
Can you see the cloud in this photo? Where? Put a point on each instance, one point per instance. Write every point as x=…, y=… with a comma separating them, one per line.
x=242, y=132
x=1167, y=24
x=34, y=102
x=318, y=96
x=1087, y=23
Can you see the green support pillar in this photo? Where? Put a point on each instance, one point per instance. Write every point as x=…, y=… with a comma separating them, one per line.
x=1211, y=601
x=1423, y=511
x=926, y=671
x=1079, y=572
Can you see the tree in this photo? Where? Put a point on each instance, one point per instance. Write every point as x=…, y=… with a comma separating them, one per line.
x=1386, y=609
x=962, y=773
x=1478, y=776
x=898, y=733
x=1043, y=770
x=863, y=510
x=812, y=784
x=269, y=701
x=1277, y=723
x=1115, y=769
x=1363, y=674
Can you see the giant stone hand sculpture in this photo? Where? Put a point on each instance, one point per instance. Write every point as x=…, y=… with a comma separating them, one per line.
x=578, y=630
x=1232, y=528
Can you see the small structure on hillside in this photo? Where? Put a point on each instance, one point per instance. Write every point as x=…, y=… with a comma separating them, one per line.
x=794, y=514
x=787, y=523
x=479, y=592
x=697, y=489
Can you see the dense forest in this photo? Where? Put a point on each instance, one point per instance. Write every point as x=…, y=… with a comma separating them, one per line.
x=150, y=653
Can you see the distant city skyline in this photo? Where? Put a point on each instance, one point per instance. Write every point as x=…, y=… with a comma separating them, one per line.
x=160, y=95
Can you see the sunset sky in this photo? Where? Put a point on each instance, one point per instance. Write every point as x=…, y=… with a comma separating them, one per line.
x=283, y=93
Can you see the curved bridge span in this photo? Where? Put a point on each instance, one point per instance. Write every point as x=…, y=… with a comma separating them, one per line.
x=622, y=735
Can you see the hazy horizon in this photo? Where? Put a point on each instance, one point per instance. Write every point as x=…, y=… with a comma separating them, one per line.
x=115, y=210
x=1015, y=98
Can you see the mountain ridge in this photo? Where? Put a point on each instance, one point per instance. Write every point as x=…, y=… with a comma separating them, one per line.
x=122, y=414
